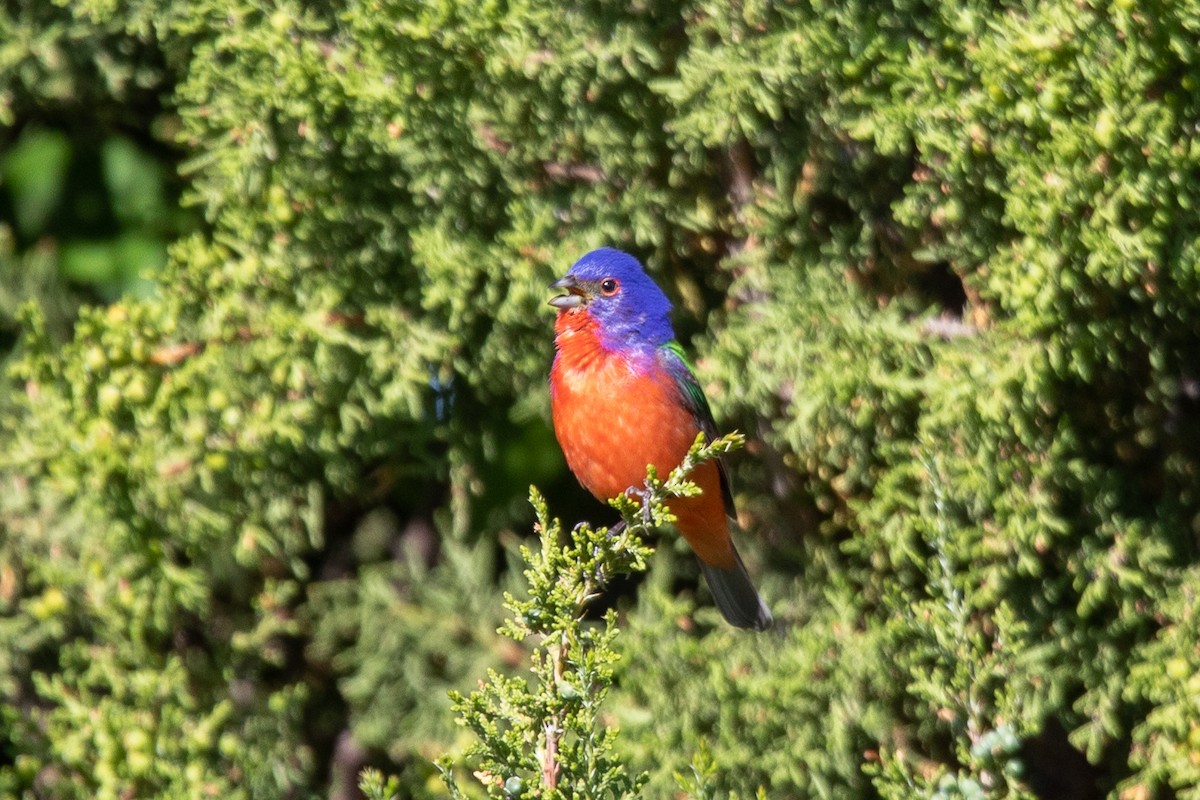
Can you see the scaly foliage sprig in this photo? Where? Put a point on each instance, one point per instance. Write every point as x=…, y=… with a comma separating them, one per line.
x=545, y=738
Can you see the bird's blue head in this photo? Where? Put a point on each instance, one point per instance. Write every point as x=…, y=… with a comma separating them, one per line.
x=615, y=293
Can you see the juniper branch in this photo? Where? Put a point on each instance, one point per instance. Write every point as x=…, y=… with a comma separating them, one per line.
x=544, y=738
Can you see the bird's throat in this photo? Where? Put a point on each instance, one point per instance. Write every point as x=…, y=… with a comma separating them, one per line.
x=577, y=337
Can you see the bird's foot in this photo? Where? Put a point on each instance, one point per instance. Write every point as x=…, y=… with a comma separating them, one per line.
x=643, y=497
x=598, y=576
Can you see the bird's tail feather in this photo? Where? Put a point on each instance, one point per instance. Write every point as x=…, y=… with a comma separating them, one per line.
x=736, y=596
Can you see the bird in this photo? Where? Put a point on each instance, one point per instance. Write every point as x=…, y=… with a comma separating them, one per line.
x=624, y=396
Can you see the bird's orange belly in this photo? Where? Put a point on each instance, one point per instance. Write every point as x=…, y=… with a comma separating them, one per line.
x=613, y=422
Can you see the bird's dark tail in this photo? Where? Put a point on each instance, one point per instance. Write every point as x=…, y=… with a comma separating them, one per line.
x=736, y=596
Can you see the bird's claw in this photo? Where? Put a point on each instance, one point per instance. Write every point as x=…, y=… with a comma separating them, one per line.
x=643, y=497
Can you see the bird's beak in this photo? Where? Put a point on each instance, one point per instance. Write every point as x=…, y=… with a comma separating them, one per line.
x=573, y=298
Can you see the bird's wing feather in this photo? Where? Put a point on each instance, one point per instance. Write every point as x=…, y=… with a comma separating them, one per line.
x=681, y=371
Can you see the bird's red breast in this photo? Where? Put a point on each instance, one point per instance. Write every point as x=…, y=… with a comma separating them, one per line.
x=614, y=413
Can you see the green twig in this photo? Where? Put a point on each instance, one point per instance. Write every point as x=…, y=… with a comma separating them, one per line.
x=544, y=738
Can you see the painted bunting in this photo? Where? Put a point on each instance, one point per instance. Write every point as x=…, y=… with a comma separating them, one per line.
x=623, y=396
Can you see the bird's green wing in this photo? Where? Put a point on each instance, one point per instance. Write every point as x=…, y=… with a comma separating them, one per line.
x=677, y=364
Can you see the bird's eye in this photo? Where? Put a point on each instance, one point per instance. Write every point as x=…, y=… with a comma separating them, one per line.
x=609, y=286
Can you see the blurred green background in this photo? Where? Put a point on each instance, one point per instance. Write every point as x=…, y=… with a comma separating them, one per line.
x=275, y=338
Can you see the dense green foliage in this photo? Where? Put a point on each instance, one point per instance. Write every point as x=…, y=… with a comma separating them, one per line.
x=939, y=260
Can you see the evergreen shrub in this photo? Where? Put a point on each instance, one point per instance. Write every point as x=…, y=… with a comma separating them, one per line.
x=937, y=259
